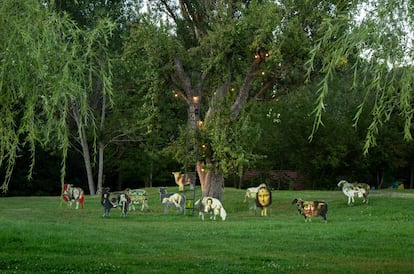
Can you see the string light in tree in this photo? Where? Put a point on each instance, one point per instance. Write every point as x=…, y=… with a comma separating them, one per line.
x=261, y=54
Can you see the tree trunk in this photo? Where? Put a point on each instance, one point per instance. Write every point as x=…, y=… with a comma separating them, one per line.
x=380, y=179
x=87, y=160
x=85, y=150
x=211, y=182
x=101, y=147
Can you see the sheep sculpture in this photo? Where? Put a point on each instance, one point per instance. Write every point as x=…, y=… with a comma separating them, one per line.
x=359, y=190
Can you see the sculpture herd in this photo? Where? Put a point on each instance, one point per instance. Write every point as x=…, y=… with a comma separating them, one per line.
x=128, y=199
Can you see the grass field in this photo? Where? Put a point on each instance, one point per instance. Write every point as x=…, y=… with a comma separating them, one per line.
x=41, y=235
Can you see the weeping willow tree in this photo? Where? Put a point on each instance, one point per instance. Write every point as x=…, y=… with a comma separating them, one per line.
x=375, y=40
x=45, y=71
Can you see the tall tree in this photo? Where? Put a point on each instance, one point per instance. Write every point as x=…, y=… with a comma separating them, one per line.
x=228, y=53
x=42, y=72
x=193, y=78
x=87, y=14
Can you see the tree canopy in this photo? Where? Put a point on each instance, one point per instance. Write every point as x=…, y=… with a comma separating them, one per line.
x=45, y=61
x=203, y=82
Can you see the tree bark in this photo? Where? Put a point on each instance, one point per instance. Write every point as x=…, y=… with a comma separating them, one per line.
x=101, y=145
x=247, y=84
x=85, y=150
x=211, y=182
x=380, y=178
x=87, y=160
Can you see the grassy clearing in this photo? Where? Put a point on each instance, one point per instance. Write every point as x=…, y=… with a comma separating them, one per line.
x=39, y=235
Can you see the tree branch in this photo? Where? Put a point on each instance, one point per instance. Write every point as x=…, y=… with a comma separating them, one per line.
x=181, y=95
x=191, y=15
x=245, y=88
x=271, y=82
x=170, y=11
x=219, y=95
x=183, y=77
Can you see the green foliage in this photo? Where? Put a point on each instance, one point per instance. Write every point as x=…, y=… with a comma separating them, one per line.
x=336, y=151
x=233, y=39
x=226, y=49
x=44, y=60
x=225, y=146
x=151, y=50
x=336, y=148
x=146, y=116
x=231, y=143
x=50, y=63
x=245, y=242
x=376, y=49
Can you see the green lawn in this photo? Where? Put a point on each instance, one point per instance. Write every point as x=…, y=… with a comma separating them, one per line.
x=41, y=235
